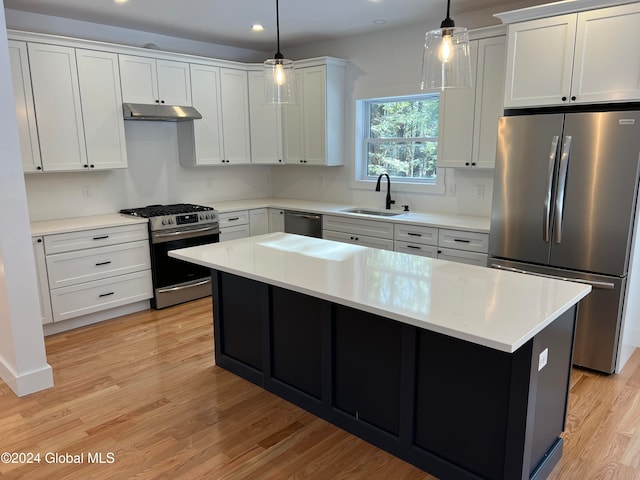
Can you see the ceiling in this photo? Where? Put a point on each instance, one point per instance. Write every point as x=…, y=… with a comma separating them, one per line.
x=228, y=22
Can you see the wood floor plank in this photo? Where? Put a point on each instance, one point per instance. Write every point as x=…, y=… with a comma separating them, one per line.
x=145, y=387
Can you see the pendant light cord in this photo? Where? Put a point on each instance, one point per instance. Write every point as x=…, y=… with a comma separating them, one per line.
x=278, y=53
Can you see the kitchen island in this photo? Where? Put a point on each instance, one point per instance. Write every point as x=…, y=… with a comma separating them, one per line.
x=460, y=370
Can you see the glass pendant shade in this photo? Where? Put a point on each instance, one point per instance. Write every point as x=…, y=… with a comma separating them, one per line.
x=446, y=62
x=279, y=81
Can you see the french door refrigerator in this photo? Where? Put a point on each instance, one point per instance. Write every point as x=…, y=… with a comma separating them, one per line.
x=564, y=204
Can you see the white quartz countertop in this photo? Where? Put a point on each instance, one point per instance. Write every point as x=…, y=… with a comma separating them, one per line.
x=64, y=225
x=440, y=220
x=497, y=309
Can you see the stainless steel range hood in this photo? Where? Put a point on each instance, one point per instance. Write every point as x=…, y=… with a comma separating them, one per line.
x=167, y=113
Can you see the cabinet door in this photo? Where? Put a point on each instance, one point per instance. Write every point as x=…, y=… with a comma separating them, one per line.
x=235, y=115
x=276, y=220
x=539, y=62
x=258, y=221
x=314, y=101
x=234, y=233
x=456, y=120
x=460, y=256
x=266, y=124
x=56, y=96
x=99, y=80
x=205, y=89
x=139, y=79
x=174, y=83
x=25, y=112
x=43, y=283
x=294, y=151
x=488, y=101
x=607, y=55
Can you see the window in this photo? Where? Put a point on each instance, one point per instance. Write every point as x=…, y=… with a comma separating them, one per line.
x=400, y=137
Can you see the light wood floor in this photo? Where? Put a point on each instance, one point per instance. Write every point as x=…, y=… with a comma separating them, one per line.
x=145, y=388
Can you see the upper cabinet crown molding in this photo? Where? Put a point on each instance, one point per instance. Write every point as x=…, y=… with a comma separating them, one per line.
x=556, y=8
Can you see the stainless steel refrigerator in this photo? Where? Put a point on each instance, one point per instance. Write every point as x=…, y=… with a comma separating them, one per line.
x=564, y=204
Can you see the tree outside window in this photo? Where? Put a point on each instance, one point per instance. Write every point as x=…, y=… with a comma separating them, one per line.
x=401, y=138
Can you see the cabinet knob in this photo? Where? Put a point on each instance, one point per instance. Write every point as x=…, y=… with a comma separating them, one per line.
x=280, y=160
x=39, y=240
x=573, y=97
x=86, y=166
x=466, y=163
x=92, y=166
x=564, y=99
x=157, y=101
x=473, y=164
x=38, y=167
x=161, y=101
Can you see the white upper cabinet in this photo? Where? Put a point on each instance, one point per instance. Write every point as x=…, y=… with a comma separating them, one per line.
x=606, y=65
x=25, y=112
x=266, y=124
x=56, y=95
x=473, y=113
x=205, y=133
x=221, y=136
x=78, y=108
x=150, y=80
x=585, y=57
x=234, y=96
x=314, y=127
x=99, y=80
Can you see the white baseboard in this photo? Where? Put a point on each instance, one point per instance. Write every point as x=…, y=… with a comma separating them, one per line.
x=58, y=327
x=26, y=383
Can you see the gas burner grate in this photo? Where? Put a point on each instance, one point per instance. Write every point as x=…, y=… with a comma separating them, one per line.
x=161, y=210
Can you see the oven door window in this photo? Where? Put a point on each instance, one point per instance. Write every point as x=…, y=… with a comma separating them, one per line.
x=171, y=271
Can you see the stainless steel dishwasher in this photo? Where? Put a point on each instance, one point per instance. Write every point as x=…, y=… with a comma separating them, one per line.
x=303, y=223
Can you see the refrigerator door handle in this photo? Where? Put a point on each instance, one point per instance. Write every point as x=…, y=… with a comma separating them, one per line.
x=594, y=284
x=562, y=181
x=546, y=224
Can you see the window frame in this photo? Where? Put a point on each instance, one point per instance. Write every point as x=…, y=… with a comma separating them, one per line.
x=362, y=140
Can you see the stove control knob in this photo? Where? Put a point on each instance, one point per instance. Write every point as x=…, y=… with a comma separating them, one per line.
x=164, y=222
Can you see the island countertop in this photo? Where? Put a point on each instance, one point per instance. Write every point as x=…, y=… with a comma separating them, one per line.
x=493, y=308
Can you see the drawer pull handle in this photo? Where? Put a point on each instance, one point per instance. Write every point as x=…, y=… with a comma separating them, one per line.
x=461, y=240
x=103, y=263
x=101, y=238
x=106, y=294
x=413, y=246
x=234, y=219
x=414, y=234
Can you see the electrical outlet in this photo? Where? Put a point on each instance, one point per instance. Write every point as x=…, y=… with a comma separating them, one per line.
x=479, y=191
x=87, y=194
x=543, y=359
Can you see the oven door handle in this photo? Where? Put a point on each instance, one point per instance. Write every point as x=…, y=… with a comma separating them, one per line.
x=184, y=287
x=159, y=237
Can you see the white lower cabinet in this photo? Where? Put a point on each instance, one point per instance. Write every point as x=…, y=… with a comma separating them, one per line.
x=445, y=244
x=43, y=284
x=276, y=220
x=234, y=225
x=368, y=233
x=258, y=221
x=93, y=270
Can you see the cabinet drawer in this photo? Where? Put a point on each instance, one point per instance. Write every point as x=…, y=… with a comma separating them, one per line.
x=233, y=233
x=99, y=237
x=91, y=297
x=416, y=249
x=460, y=256
x=416, y=234
x=355, y=239
x=71, y=268
x=470, y=241
x=240, y=217
x=357, y=226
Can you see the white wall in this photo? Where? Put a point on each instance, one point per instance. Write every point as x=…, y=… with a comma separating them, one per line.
x=23, y=363
x=385, y=63
x=154, y=176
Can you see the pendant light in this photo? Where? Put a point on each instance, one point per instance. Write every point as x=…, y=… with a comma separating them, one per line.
x=446, y=63
x=279, y=76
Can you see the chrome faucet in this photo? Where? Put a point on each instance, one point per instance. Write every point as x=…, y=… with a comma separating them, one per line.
x=389, y=202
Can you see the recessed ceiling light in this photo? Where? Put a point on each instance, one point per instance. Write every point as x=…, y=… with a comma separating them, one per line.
x=121, y=1
x=379, y=22
x=256, y=27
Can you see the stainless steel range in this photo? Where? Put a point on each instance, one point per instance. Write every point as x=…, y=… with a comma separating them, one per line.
x=178, y=226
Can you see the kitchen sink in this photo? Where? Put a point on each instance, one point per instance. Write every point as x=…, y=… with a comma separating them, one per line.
x=379, y=213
